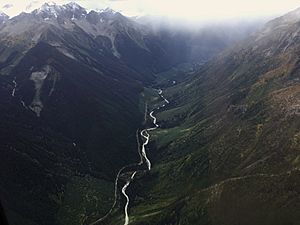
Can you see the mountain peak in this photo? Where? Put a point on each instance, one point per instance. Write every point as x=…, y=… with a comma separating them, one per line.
x=289, y=18
x=3, y=14
x=48, y=5
x=3, y=17
x=74, y=5
x=106, y=10
x=51, y=9
x=108, y=14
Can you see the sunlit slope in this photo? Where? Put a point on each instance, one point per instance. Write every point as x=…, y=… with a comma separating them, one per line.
x=229, y=150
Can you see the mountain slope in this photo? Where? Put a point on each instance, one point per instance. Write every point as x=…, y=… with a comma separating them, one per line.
x=70, y=104
x=56, y=94
x=3, y=18
x=70, y=114
x=229, y=150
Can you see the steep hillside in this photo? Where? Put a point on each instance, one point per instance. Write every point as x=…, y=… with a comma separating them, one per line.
x=70, y=106
x=69, y=116
x=3, y=18
x=228, y=151
x=60, y=112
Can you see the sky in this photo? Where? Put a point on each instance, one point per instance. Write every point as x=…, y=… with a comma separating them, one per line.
x=180, y=9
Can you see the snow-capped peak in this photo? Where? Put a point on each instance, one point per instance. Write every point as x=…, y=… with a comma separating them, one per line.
x=2, y=14
x=73, y=5
x=3, y=17
x=75, y=9
x=71, y=10
x=49, y=8
x=106, y=10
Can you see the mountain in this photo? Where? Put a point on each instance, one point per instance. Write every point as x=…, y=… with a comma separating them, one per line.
x=130, y=40
x=228, y=151
x=71, y=101
x=70, y=111
x=3, y=17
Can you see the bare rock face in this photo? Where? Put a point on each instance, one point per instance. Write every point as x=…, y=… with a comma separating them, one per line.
x=3, y=17
x=38, y=78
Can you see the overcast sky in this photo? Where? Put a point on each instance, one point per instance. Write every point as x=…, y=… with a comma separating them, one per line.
x=188, y=9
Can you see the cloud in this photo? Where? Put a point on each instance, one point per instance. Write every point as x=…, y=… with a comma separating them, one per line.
x=31, y=5
x=7, y=6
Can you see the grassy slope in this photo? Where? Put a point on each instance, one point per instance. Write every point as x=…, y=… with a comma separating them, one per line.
x=229, y=150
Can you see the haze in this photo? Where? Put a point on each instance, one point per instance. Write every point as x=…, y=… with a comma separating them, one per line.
x=188, y=9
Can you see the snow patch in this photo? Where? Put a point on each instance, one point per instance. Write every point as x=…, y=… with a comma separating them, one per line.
x=66, y=53
x=54, y=79
x=23, y=104
x=38, y=78
x=107, y=10
x=73, y=5
x=15, y=87
x=113, y=48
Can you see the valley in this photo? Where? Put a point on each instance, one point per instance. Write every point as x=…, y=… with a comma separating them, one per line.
x=138, y=167
x=108, y=119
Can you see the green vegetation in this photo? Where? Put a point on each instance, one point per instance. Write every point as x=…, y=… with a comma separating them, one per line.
x=228, y=149
x=86, y=199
